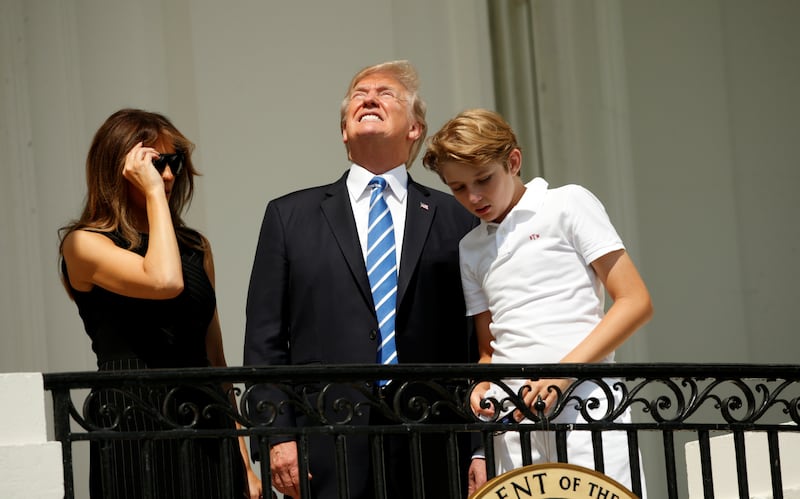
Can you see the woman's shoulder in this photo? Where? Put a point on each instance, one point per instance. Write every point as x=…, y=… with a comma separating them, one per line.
x=82, y=249
x=87, y=236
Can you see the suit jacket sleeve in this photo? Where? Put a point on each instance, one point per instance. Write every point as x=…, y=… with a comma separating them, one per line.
x=266, y=334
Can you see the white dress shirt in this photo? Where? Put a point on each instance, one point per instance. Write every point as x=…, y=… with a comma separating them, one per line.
x=395, y=195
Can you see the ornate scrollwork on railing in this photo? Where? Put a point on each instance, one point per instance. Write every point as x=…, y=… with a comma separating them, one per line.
x=513, y=401
x=597, y=400
x=407, y=402
x=186, y=406
x=736, y=401
x=675, y=401
x=177, y=401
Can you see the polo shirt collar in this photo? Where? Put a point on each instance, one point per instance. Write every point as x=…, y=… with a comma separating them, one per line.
x=530, y=202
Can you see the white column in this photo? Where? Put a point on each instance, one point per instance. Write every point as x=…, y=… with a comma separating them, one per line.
x=21, y=306
x=723, y=465
x=30, y=466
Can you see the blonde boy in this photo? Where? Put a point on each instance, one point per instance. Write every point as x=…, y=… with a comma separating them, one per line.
x=533, y=274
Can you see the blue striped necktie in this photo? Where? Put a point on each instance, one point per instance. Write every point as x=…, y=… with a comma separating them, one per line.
x=382, y=270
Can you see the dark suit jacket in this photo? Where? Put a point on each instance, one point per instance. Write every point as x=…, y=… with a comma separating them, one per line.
x=309, y=300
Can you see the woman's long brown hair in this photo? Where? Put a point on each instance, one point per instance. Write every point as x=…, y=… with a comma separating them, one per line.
x=107, y=207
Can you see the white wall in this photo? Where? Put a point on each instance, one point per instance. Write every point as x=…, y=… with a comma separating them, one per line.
x=706, y=97
x=681, y=116
x=714, y=117
x=713, y=113
x=256, y=85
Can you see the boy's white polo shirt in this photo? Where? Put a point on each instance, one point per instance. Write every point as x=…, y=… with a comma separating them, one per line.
x=532, y=272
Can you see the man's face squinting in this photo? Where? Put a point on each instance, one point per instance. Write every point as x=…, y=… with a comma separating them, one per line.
x=378, y=108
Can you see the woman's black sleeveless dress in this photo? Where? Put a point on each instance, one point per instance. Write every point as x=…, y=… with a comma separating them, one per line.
x=133, y=333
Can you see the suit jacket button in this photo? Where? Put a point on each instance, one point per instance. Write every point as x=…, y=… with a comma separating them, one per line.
x=373, y=334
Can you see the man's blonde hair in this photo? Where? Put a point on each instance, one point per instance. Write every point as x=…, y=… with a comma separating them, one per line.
x=475, y=137
x=407, y=76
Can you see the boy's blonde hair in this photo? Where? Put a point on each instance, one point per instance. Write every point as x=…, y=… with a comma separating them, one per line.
x=475, y=137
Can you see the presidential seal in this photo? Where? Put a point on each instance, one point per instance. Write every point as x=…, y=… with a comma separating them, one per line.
x=553, y=481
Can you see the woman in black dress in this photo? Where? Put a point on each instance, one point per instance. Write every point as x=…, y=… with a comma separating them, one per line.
x=144, y=286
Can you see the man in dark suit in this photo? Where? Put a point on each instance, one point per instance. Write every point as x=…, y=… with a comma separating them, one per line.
x=310, y=299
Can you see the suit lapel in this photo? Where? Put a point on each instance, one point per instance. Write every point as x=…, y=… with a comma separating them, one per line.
x=339, y=214
x=420, y=211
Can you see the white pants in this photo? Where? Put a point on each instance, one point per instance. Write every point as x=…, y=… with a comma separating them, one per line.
x=508, y=451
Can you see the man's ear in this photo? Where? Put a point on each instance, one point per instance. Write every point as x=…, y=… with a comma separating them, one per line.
x=414, y=131
x=344, y=134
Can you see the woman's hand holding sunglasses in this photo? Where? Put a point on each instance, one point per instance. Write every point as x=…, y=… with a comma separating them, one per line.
x=139, y=170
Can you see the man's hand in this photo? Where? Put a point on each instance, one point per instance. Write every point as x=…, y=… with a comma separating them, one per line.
x=285, y=469
x=477, y=474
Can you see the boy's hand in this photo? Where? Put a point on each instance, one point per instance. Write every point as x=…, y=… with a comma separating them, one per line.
x=477, y=396
x=540, y=397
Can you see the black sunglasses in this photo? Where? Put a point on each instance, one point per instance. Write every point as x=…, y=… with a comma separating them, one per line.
x=175, y=162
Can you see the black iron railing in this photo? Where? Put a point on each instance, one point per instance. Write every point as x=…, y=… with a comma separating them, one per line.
x=664, y=399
